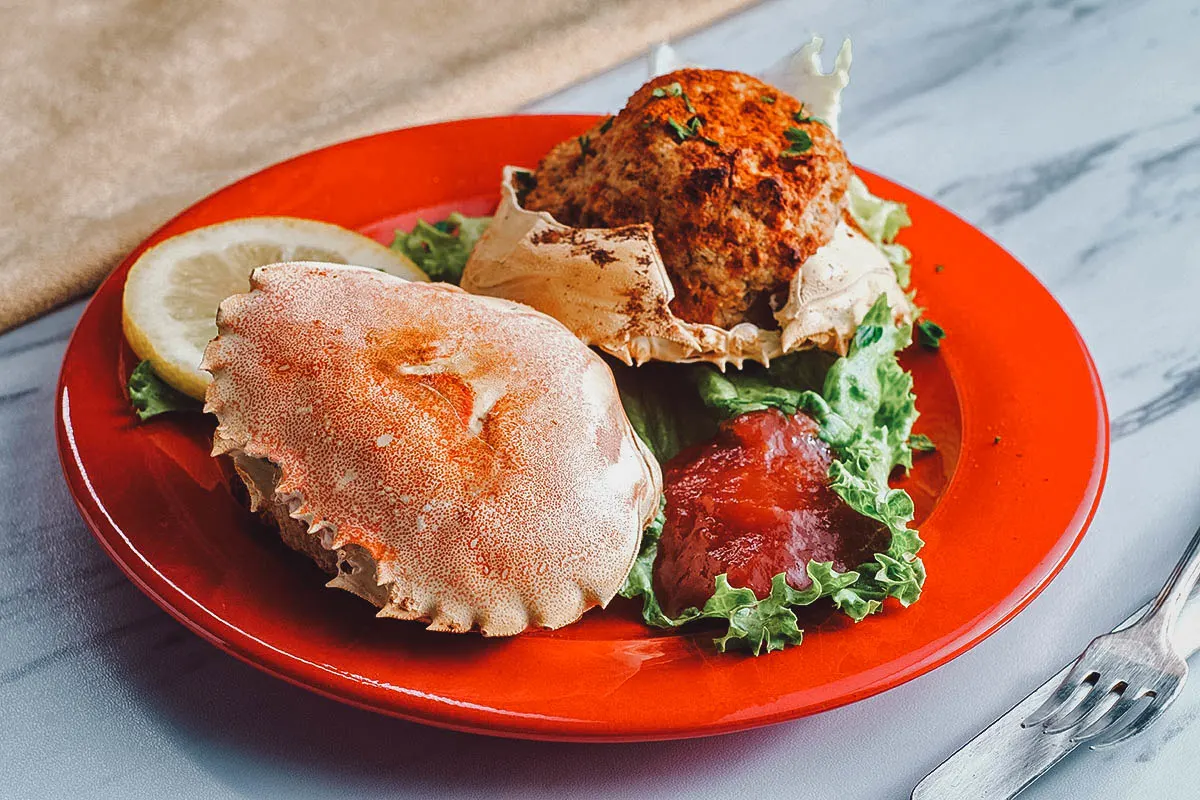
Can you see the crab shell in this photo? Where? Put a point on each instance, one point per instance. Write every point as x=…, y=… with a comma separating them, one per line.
x=611, y=288
x=459, y=460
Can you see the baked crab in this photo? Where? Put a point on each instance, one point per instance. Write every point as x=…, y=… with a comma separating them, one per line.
x=710, y=220
x=459, y=460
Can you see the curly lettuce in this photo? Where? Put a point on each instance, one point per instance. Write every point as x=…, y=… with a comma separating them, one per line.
x=865, y=409
x=441, y=249
x=150, y=395
x=881, y=220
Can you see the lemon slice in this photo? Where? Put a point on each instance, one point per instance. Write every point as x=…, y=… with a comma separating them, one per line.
x=174, y=288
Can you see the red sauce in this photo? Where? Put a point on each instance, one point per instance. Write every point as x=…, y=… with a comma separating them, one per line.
x=752, y=503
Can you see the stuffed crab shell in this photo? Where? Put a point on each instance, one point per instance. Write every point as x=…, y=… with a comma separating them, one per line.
x=463, y=461
x=708, y=221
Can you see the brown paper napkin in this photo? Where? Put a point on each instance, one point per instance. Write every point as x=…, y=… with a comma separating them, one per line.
x=115, y=114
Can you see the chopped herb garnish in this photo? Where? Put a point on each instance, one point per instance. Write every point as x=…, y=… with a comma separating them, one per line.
x=800, y=117
x=674, y=90
x=585, y=146
x=996, y=440
x=921, y=443
x=801, y=142
x=930, y=334
x=680, y=131
x=799, y=137
x=766, y=98
x=604, y=126
x=938, y=267
x=692, y=128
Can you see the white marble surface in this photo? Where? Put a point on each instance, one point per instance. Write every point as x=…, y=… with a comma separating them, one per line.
x=1069, y=131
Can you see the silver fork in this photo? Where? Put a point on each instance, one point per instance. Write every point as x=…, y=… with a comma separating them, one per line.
x=1118, y=670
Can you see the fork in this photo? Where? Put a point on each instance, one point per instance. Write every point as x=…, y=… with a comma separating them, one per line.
x=1120, y=669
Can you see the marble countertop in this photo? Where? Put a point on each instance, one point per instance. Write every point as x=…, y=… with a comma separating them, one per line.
x=1068, y=130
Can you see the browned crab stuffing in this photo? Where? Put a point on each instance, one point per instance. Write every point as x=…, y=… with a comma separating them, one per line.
x=704, y=156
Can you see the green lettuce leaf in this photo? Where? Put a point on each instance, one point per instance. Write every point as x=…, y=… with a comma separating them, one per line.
x=441, y=249
x=865, y=410
x=673, y=406
x=640, y=581
x=871, y=392
x=784, y=385
x=881, y=220
x=752, y=623
x=150, y=395
x=732, y=395
x=919, y=442
x=663, y=407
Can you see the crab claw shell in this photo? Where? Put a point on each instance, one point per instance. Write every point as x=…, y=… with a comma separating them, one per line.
x=459, y=460
x=611, y=288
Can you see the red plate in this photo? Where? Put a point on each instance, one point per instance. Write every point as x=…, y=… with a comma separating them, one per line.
x=1002, y=503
